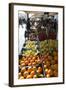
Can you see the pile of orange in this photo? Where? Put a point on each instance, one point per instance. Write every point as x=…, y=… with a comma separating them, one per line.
x=51, y=64
x=30, y=72
x=29, y=60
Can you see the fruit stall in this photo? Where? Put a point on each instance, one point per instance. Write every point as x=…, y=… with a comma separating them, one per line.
x=39, y=54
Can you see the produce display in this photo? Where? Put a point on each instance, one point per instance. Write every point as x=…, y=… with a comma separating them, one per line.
x=45, y=64
x=48, y=46
x=29, y=52
x=30, y=48
x=49, y=57
x=39, y=54
x=31, y=72
x=50, y=64
x=29, y=60
x=31, y=44
x=30, y=67
x=42, y=36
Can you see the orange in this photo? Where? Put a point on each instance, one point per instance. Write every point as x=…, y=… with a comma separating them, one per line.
x=30, y=69
x=52, y=66
x=48, y=75
x=26, y=62
x=47, y=63
x=55, y=73
x=45, y=56
x=23, y=64
x=38, y=61
x=49, y=57
x=29, y=64
x=29, y=76
x=31, y=61
x=29, y=58
x=34, y=63
x=19, y=74
x=32, y=73
x=46, y=70
x=25, y=73
x=34, y=58
x=46, y=59
x=35, y=76
x=55, y=57
x=56, y=66
x=39, y=71
x=21, y=77
x=45, y=66
x=53, y=62
x=21, y=61
x=54, y=53
x=23, y=57
x=34, y=67
x=50, y=72
x=23, y=69
x=39, y=68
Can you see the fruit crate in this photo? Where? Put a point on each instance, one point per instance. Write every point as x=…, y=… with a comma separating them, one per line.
x=48, y=59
